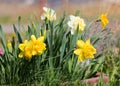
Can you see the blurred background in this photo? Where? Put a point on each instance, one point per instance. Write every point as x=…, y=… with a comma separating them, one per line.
x=29, y=9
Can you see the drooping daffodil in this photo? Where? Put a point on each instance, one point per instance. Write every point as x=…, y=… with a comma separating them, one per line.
x=104, y=20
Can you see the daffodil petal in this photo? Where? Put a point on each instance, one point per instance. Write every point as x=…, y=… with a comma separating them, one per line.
x=21, y=47
x=41, y=39
x=88, y=42
x=80, y=43
x=20, y=55
x=45, y=9
x=72, y=17
x=33, y=38
x=80, y=58
x=77, y=51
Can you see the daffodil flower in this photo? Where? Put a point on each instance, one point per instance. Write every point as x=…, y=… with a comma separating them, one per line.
x=84, y=50
x=33, y=47
x=9, y=46
x=76, y=23
x=48, y=15
x=104, y=20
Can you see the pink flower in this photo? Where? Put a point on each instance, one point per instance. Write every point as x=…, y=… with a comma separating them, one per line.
x=1, y=52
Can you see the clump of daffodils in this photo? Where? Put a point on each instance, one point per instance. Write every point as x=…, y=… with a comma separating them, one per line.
x=33, y=47
x=104, y=20
x=48, y=15
x=84, y=50
x=76, y=23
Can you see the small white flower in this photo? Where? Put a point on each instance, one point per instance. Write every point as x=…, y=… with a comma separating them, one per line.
x=48, y=15
x=76, y=22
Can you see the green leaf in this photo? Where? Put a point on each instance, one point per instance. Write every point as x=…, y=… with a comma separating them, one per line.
x=38, y=29
x=3, y=41
x=19, y=25
x=1, y=60
x=62, y=49
x=70, y=63
x=17, y=34
x=2, y=38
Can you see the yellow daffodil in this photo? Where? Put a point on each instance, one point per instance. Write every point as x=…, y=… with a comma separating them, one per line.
x=49, y=14
x=104, y=20
x=9, y=44
x=76, y=22
x=39, y=46
x=32, y=47
x=84, y=50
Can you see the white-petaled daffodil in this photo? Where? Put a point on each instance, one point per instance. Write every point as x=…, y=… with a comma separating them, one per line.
x=48, y=15
x=76, y=22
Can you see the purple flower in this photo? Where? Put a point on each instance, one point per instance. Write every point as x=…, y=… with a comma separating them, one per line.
x=1, y=52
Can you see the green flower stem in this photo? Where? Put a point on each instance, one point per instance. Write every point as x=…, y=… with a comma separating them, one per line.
x=50, y=40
